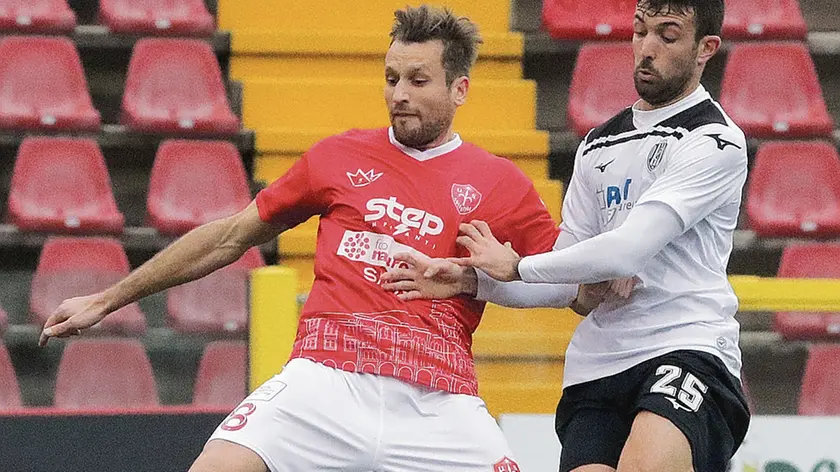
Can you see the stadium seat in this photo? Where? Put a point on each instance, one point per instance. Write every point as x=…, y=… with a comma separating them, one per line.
x=105, y=373
x=181, y=17
x=809, y=261
x=36, y=16
x=576, y=20
x=221, y=374
x=72, y=267
x=794, y=190
x=44, y=86
x=764, y=19
x=754, y=75
x=9, y=390
x=61, y=185
x=821, y=382
x=195, y=182
x=217, y=303
x=602, y=85
x=175, y=85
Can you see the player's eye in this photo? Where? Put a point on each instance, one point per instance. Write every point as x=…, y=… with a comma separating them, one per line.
x=419, y=82
x=669, y=40
x=392, y=81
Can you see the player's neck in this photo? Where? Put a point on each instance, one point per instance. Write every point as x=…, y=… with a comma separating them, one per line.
x=444, y=138
x=691, y=88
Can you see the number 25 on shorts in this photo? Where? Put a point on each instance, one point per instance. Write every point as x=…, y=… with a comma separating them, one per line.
x=689, y=397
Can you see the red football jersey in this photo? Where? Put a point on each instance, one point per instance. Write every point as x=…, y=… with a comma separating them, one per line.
x=377, y=198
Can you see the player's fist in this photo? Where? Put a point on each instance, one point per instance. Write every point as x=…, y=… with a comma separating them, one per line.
x=72, y=316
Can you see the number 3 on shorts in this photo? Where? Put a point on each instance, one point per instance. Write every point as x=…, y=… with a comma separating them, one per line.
x=690, y=394
x=239, y=417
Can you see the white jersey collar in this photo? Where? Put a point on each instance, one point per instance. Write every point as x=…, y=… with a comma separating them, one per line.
x=421, y=156
x=646, y=119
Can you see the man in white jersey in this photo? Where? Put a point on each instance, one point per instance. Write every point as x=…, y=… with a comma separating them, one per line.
x=651, y=382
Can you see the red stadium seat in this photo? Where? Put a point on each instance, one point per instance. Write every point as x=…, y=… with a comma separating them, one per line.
x=576, y=20
x=157, y=17
x=72, y=267
x=756, y=72
x=105, y=373
x=764, y=19
x=794, y=190
x=195, y=182
x=9, y=390
x=602, y=85
x=809, y=261
x=217, y=303
x=36, y=16
x=175, y=85
x=221, y=374
x=44, y=86
x=821, y=382
x=62, y=185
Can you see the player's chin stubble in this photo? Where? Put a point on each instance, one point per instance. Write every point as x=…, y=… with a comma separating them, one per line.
x=418, y=137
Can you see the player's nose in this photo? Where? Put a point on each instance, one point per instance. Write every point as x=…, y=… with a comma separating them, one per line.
x=400, y=93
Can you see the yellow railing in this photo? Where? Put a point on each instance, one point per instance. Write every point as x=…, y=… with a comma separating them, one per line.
x=274, y=309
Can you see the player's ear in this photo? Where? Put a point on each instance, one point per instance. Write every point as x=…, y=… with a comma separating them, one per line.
x=707, y=48
x=458, y=90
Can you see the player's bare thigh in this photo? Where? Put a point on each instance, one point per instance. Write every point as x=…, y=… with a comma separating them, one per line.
x=224, y=456
x=655, y=445
x=594, y=468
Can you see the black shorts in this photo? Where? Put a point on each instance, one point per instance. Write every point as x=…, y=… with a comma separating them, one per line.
x=692, y=389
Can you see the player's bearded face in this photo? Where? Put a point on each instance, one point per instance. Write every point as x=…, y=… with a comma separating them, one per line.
x=419, y=100
x=666, y=55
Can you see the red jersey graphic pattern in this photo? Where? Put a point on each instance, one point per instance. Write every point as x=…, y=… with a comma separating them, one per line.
x=393, y=203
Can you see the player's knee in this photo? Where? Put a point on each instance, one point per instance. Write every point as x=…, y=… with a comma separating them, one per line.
x=223, y=456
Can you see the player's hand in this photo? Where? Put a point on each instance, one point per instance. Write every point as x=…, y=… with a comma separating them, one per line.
x=591, y=295
x=497, y=260
x=427, y=278
x=72, y=316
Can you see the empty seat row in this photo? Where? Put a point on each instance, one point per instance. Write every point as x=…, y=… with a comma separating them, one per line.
x=602, y=85
x=71, y=267
x=613, y=19
x=116, y=373
x=102, y=373
x=173, y=85
x=191, y=183
x=182, y=17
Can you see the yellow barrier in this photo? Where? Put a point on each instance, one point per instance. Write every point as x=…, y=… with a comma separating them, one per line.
x=775, y=294
x=273, y=321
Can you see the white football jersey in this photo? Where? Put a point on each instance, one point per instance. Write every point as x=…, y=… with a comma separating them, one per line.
x=693, y=158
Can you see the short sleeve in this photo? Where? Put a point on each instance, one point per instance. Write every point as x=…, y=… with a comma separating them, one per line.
x=293, y=198
x=519, y=216
x=580, y=215
x=705, y=173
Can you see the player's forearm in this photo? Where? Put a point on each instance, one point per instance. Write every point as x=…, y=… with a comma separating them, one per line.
x=525, y=295
x=616, y=254
x=196, y=254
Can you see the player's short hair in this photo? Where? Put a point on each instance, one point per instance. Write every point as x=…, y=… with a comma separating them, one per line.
x=459, y=35
x=708, y=14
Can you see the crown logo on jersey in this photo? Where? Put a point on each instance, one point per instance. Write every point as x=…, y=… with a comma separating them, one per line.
x=363, y=179
x=505, y=465
x=466, y=198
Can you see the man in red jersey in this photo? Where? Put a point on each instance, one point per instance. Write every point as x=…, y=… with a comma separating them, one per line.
x=374, y=382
